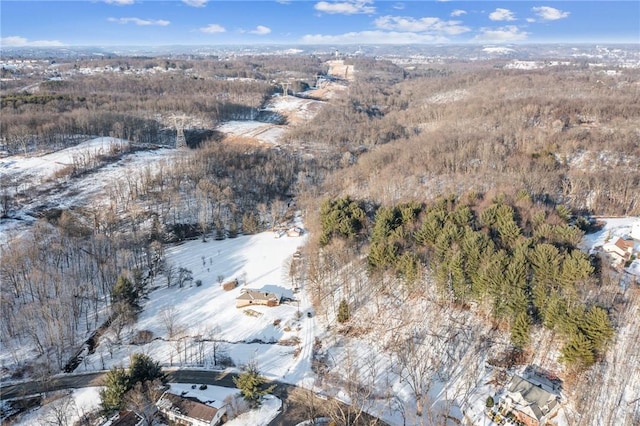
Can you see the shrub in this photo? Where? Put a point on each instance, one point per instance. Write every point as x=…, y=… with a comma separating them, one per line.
x=490, y=403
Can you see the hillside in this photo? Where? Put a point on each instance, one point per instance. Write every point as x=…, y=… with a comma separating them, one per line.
x=427, y=194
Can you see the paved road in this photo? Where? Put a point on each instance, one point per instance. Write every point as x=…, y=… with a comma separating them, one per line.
x=290, y=415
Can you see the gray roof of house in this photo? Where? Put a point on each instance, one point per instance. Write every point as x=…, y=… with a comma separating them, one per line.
x=540, y=401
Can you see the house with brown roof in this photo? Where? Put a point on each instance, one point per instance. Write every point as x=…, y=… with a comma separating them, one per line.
x=619, y=249
x=250, y=297
x=190, y=411
x=529, y=402
x=124, y=418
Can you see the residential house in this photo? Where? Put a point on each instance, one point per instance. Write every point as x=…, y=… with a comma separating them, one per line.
x=190, y=411
x=620, y=250
x=529, y=402
x=124, y=418
x=250, y=297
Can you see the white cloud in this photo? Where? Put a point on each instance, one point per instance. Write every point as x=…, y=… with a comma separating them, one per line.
x=426, y=24
x=261, y=30
x=502, y=15
x=351, y=7
x=547, y=13
x=213, y=29
x=119, y=2
x=373, y=37
x=17, y=41
x=458, y=12
x=141, y=22
x=503, y=34
x=283, y=1
x=398, y=6
x=195, y=3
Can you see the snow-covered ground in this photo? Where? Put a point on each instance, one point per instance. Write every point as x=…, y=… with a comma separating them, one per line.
x=295, y=109
x=35, y=175
x=62, y=408
x=19, y=167
x=259, y=262
x=67, y=407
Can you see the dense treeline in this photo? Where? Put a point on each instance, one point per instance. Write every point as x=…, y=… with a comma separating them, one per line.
x=516, y=259
x=567, y=135
x=135, y=108
x=134, y=103
x=58, y=280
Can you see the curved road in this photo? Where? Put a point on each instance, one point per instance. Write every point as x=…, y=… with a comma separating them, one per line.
x=290, y=415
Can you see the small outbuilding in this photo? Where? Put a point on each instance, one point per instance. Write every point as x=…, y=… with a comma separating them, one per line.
x=230, y=285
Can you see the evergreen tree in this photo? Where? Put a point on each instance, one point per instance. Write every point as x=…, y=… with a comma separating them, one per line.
x=143, y=369
x=125, y=291
x=578, y=352
x=116, y=384
x=409, y=267
x=343, y=311
x=507, y=228
x=252, y=385
x=597, y=327
x=520, y=330
x=342, y=217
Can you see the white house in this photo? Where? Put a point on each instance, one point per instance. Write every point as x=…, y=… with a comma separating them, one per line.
x=190, y=411
x=620, y=250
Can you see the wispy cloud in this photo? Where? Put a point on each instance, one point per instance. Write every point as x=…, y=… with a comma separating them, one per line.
x=547, y=13
x=503, y=34
x=375, y=37
x=458, y=12
x=119, y=2
x=345, y=7
x=426, y=24
x=195, y=3
x=261, y=30
x=141, y=22
x=213, y=29
x=398, y=6
x=502, y=15
x=17, y=41
x=283, y=1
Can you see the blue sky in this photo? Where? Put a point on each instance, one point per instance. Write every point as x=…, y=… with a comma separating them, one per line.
x=212, y=22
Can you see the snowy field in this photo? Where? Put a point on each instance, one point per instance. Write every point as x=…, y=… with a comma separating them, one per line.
x=258, y=262
x=21, y=167
x=296, y=110
x=262, y=132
